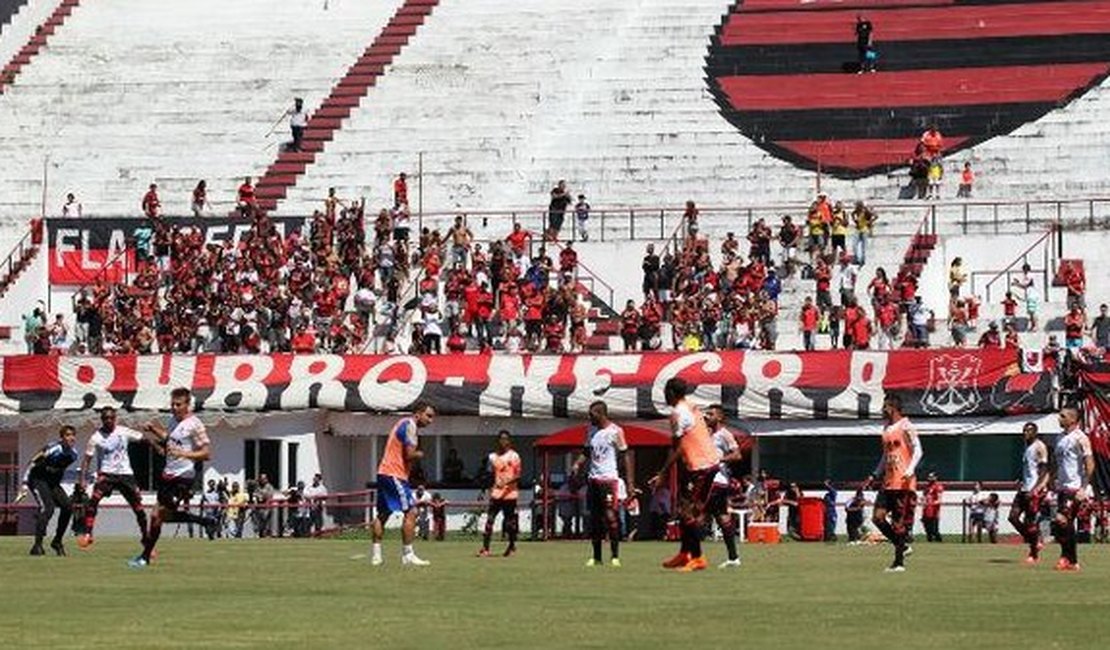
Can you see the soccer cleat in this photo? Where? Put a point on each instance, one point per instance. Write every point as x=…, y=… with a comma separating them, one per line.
x=509, y=552
x=59, y=548
x=412, y=560
x=1032, y=560
x=729, y=563
x=1063, y=564
x=137, y=562
x=615, y=563
x=376, y=560
x=483, y=552
x=681, y=559
x=895, y=568
x=695, y=564
x=908, y=552
x=592, y=562
x=84, y=541
x=37, y=550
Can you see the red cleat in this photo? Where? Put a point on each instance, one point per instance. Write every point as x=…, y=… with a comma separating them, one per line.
x=695, y=564
x=84, y=541
x=681, y=559
x=1032, y=560
x=1063, y=564
x=483, y=553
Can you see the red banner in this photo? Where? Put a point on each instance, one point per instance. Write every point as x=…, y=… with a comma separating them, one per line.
x=758, y=385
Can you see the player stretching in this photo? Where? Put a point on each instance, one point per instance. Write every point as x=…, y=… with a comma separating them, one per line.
x=184, y=443
x=898, y=498
x=109, y=445
x=1034, y=482
x=505, y=464
x=44, y=480
x=717, y=507
x=605, y=444
x=694, y=444
x=1074, y=467
x=394, y=494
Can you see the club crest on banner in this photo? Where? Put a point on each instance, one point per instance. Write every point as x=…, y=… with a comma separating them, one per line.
x=953, y=385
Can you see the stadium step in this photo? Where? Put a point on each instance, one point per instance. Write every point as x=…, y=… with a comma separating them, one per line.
x=597, y=343
x=609, y=327
x=345, y=96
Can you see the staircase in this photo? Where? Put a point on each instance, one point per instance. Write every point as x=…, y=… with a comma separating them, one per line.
x=36, y=43
x=921, y=247
x=20, y=256
x=344, y=98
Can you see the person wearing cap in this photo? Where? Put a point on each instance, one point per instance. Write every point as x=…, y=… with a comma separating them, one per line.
x=991, y=338
x=930, y=513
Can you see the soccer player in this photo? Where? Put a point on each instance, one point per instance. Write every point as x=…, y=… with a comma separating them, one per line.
x=694, y=444
x=184, y=443
x=109, y=445
x=1074, y=466
x=605, y=449
x=393, y=492
x=897, y=466
x=44, y=480
x=717, y=506
x=505, y=465
x=1034, y=482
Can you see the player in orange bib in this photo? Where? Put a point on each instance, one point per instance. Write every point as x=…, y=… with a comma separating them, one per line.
x=402, y=452
x=897, y=466
x=694, y=444
x=505, y=467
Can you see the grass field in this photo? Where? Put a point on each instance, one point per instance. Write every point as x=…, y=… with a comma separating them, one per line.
x=311, y=594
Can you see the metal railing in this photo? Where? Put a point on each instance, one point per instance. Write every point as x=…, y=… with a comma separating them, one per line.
x=20, y=251
x=1045, y=270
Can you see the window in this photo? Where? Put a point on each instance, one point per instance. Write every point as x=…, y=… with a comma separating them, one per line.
x=263, y=457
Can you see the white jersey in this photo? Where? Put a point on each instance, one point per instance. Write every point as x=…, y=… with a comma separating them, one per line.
x=188, y=435
x=725, y=442
x=604, y=445
x=110, y=450
x=1035, y=455
x=1071, y=450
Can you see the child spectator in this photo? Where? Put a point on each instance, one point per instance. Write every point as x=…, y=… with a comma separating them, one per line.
x=967, y=179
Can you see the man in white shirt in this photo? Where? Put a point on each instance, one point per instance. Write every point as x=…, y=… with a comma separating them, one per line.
x=316, y=494
x=109, y=445
x=605, y=446
x=71, y=208
x=184, y=443
x=298, y=120
x=1075, y=464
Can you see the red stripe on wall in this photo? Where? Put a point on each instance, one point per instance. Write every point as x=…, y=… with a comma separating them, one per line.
x=860, y=154
x=960, y=86
x=919, y=24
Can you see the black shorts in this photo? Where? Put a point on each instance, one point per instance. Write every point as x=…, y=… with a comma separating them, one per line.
x=601, y=496
x=899, y=504
x=695, y=491
x=1026, y=504
x=400, y=234
x=125, y=484
x=507, y=508
x=174, y=492
x=717, y=506
x=1067, y=505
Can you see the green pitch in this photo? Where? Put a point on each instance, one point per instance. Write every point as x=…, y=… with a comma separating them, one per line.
x=311, y=594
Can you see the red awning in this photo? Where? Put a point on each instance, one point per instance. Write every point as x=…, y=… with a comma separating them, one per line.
x=574, y=437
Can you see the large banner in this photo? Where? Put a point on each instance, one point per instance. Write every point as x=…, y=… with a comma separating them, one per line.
x=83, y=249
x=758, y=385
x=1094, y=382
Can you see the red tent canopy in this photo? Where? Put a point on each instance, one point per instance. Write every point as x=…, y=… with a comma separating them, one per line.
x=574, y=437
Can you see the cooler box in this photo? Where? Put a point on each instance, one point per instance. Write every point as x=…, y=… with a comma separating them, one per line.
x=811, y=513
x=763, y=533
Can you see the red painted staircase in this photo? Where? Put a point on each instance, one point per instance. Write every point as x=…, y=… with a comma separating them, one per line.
x=344, y=98
x=21, y=256
x=920, y=249
x=38, y=41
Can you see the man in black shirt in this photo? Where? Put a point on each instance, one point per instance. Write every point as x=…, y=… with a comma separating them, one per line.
x=44, y=481
x=650, y=266
x=557, y=210
x=863, y=39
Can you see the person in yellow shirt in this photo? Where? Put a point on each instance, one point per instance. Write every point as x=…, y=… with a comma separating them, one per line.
x=839, y=229
x=236, y=501
x=864, y=219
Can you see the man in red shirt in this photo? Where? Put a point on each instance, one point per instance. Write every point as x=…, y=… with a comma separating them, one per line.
x=823, y=275
x=518, y=245
x=400, y=191
x=568, y=259
x=1074, y=324
x=152, y=206
x=484, y=314
x=930, y=513
x=887, y=315
x=1009, y=309
x=1077, y=286
x=809, y=319
x=861, y=331
x=933, y=142
x=247, y=202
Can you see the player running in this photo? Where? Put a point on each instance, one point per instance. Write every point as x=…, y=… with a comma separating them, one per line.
x=44, y=481
x=505, y=465
x=605, y=449
x=897, y=466
x=393, y=492
x=1074, y=466
x=694, y=444
x=184, y=443
x=719, y=491
x=1034, y=483
x=109, y=445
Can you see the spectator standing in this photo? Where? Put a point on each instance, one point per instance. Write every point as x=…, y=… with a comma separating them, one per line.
x=582, y=216
x=423, y=512
x=1074, y=325
x=1075, y=281
x=864, y=34
x=846, y=281
x=557, y=210
x=930, y=512
x=151, y=205
x=936, y=175
x=316, y=495
x=919, y=172
x=933, y=142
x=809, y=319
x=200, y=198
x=957, y=276
x=400, y=190
x=1100, y=328
x=439, y=516
x=830, y=511
x=864, y=219
x=71, y=208
x=246, y=201
x=853, y=516
x=651, y=267
x=919, y=323
x=461, y=239
x=298, y=121
x=990, y=517
x=976, y=509
x=263, y=514
x=236, y=510
x=1032, y=298
x=967, y=180
x=32, y=323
